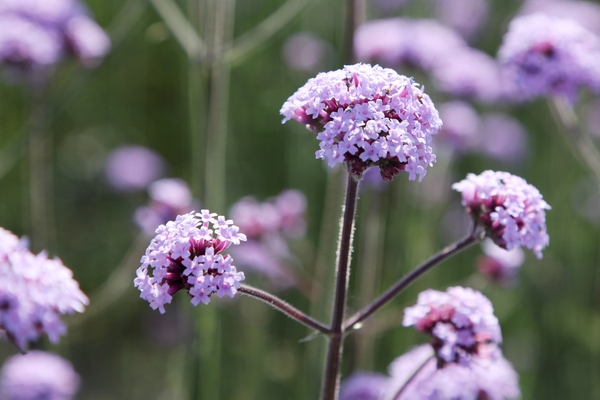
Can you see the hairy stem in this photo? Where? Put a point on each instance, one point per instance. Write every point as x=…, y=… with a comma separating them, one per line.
x=334, y=350
x=285, y=308
x=393, y=291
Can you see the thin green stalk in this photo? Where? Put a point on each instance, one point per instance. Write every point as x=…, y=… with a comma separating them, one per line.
x=581, y=144
x=334, y=351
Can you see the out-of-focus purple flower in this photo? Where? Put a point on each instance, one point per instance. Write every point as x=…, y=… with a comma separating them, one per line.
x=503, y=138
x=461, y=125
x=306, y=52
x=364, y=386
x=416, y=376
x=186, y=254
x=470, y=74
x=511, y=211
x=461, y=322
x=368, y=116
x=586, y=13
x=131, y=168
x=38, y=375
x=168, y=198
x=465, y=16
x=266, y=224
x=36, y=33
x=34, y=292
x=547, y=56
x=423, y=43
x=500, y=265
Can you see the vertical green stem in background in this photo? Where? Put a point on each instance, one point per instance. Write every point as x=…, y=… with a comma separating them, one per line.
x=334, y=351
x=581, y=144
x=41, y=209
x=219, y=40
x=370, y=271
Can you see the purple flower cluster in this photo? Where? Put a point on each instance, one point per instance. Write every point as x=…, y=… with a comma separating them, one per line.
x=368, y=116
x=37, y=33
x=38, y=375
x=169, y=198
x=267, y=225
x=461, y=322
x=186, y=254
x=509, y=209
x=546, y=56
x=490, y=380
x=34, y=292
x=455, y=67
x=499, y=265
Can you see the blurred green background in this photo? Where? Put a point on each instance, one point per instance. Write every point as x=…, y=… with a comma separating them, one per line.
x=147, y=92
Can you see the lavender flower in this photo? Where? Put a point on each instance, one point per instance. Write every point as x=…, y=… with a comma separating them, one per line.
x=509, y=209
x=38, y=375
x=368, y=116
x=130, y=168
x=491, y=379
x=266, y=225
x=461, y=322
x=186, y=254
x=364, y=386
x=500, y=265
x=35, y=34
x=34, y=292
x=547, y=56
x=168, y=198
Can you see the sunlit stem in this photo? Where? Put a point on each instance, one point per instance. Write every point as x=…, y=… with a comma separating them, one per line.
x=581, y=144
x=334, y=351
x=285, y=308
x=394, y=290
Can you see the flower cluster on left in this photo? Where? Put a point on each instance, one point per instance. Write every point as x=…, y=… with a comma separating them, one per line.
x=186, y=254
x=34, y=292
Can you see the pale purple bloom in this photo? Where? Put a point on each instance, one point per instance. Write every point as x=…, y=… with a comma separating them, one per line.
x=168, y=198
x=500, y=265
x=36, y=33
x=130, y=168
x=416, y=375
x=422, y=43
x=461, y=322
x=186, y=254
x=367, y=115
x=364, y=386
x=34, y=292
x=503, y=138
x=38, y=375
x=266, y=225
x=511, y=211
x=465, y=16
x=586, y=13
x=306, y=52
x=547, y=56
x=461, y=125
x=470, y=74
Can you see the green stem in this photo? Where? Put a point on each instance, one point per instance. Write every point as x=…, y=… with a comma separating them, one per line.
x=334, y=351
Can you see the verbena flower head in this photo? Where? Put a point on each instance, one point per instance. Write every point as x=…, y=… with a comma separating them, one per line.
x=364, y=386
x=481, y=380
x=368, y=116
x=461, y=322
x=503, y=138
x=547, y=56
x=499, y=265
x=34, y=292
x=511, y=211
x=187, y=254
x=38, y=375
x=131, y=168
x=39, y=33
